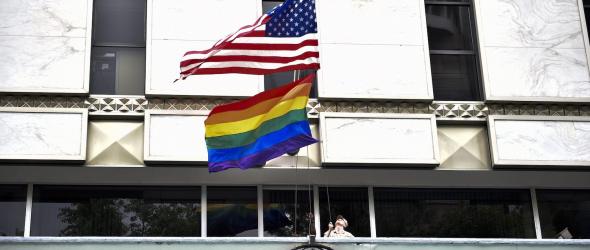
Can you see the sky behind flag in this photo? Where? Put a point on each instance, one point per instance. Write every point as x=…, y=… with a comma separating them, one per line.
x=283, y=39
x=250, y=132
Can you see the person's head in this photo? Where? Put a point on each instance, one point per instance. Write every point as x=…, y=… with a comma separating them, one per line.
x=340, y=221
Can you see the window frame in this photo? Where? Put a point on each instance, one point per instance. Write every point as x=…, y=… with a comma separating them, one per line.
x=478, y=84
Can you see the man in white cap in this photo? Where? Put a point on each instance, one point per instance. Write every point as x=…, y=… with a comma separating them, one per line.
x=338, y=231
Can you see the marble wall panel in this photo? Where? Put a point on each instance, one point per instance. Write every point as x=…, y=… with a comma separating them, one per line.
x=537, y=72
x=201, y=20
x=370, y=22
x=43, y=44
x=540, y=142
x=42, y=63
x=164, y=65
x=43, y=136
x=66, y=18
x=378, y=139
x=174, y=137
x=374, y=71
x=532, y=23
x=533, y=50
x=373, y=49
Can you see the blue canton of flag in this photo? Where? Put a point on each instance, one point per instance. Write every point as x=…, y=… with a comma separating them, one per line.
x=293, y=18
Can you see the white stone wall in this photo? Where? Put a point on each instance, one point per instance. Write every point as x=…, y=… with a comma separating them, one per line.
x=45, y=45
x=373, y=49
x=533, y=50
x=177, y=26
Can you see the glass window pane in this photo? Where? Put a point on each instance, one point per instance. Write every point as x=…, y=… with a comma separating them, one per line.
x=564, y=212
x=352, y=203
x=281, y=78
x=449, y=27
x=117, y=71
x=231, y=211
x=269, y=5
x=283, y=218
x=119, y=22
x=116, y=211
x=454, y=78
x=12, y=209
x=453, y=213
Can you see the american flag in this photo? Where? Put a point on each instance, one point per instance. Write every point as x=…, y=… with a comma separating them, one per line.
x=283, y=39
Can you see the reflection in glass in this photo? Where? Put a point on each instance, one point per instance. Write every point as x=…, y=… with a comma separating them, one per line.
x=12, y=209
x=119, y=22
x=115, y=211
x=453, y=213
x=350, y=202
x=117, y=71
x=449, y=27
x=281, y=78
x=453, y=77
x=231, y=211
x=283, y=218
x=564, y=212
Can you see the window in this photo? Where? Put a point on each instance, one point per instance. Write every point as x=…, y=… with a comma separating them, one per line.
x=277, y=79
x=564, y=212
x=352, y=203
x=587, y=13
x=232, y=211
x=453, y=213
x=453, y=53
x=12, y=209
x=286, y=214
x=118, y=47
x=116, y=211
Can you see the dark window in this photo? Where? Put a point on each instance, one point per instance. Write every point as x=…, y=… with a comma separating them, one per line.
x=12, y=209
x=278, y=79
x=118, y=47
x=453, y=213
x=232, y=211
x=352, y=203
x=116, y=211
x=564, y=212
x=587, y=13
x=286, y=214
x=453, y=53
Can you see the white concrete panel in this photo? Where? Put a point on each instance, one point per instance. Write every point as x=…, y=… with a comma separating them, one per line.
x=165, y=61
x=44, y=17
x=201, y=20
x=531, y=23
x=49, y=136
x=42, y=63
x=371, y=22
x=536, y=72
x=374, y=71
x=541, y=142
x=379, y=140
x=173, y=137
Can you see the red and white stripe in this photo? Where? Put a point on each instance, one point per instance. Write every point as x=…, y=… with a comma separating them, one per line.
x=249, y=51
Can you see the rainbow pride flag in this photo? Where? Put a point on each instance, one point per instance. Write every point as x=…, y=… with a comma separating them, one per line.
x=249, y=132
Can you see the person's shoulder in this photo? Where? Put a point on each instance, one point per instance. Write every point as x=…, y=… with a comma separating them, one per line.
x=348, y=234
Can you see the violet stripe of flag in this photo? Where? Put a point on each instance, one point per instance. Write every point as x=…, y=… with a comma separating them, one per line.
x=283, y=39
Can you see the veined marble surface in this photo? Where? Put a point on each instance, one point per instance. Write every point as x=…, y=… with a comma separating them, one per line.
x=370, y=21
x=532, y=23
x=382, y=140
x=201, y=20
x=44, y=17
x=41, y=134
x=537, y=72
x=373, y=71
x=42, y=62
x=177, y=137
x=543, y=140
x=164, y=63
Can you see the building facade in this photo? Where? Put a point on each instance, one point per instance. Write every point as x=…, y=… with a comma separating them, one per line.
x=442, y=124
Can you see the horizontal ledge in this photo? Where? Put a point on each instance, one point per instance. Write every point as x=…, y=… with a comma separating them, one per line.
x=253, y=240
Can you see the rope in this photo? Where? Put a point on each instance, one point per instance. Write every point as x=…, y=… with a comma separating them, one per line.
x=329, y=208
